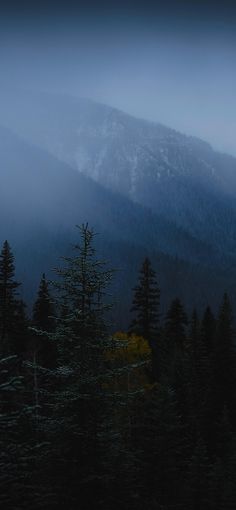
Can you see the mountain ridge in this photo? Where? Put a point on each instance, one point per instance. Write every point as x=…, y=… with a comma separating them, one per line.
x=186, y=225
x=40, y=118
x=180, y=178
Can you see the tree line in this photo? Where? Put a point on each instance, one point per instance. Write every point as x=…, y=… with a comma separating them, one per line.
x=90, y=419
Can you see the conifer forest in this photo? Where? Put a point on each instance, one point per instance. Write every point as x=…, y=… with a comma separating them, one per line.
x=92, y=418
x=117, y=255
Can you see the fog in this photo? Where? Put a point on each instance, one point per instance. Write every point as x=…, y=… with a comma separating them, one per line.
x=174, y=66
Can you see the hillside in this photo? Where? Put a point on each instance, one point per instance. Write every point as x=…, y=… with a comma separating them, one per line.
x=42, y=199
x=179, y=177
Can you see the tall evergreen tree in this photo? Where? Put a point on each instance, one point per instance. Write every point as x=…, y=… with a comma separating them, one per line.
x=175, y=338
x=146, y=304
x=43, y=310
x=176, y=322
x=43, y=321
x=12, y=310
x=199, y=378
x=176, y=353
x=146, y=307
x=225, y=360
x=208, y=331
x=222, y=396
x=80, y=399
x=8, y=287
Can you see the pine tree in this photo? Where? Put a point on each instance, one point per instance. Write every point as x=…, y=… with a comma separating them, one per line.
x=43, y=310
x=176, y=322
x=146, y=304
x=9, y=305
x=146, y=307
x=81, y=397
x=43, y=321
x=40, y=356
x=222, y=399
x=177, y=359
x=224, y=363
x=207, y=342
x=175, y=338
x=82, y=288
x=199, y=377
x=208, y=331
x=225, y=355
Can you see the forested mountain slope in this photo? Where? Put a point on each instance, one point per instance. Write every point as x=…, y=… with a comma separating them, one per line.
x=177, y=176
x=41, y=200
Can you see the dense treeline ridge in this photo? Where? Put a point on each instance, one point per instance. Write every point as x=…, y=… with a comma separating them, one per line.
x=89, y=420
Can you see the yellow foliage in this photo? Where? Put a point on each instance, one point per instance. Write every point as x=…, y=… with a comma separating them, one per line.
x=133, y=348
x=134, y=354
x=130, y=358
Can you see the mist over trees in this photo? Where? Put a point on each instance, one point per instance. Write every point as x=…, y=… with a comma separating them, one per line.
x=65, y=159
x=117, y=337
x=90, y=419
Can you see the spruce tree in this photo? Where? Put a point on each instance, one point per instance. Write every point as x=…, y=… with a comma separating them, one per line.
x=222, y=397
x=177, y=360
x=146, y=304
x=81, y=398
x=175, y=338
x=8, y=297
x=199, y=378
x=224, y=346
x=43, y=321
x=208, y=331
x=146, y=308
x=225, y=361
x=176, y=322
x=225, y=357
x=43, y=310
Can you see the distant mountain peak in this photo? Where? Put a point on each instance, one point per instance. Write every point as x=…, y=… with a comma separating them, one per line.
x=133, y=156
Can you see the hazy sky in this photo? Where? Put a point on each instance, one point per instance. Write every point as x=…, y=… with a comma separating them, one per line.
x=174, y=64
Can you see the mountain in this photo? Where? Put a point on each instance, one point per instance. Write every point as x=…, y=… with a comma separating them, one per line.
x=179, y=177
x=179, y=214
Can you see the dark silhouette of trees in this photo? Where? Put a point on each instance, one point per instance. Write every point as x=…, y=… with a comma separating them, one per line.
x=82, y=423
x=146, y=308
x=146, y=304
x=43, y=310
x=10, y=307
x=44, y=351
